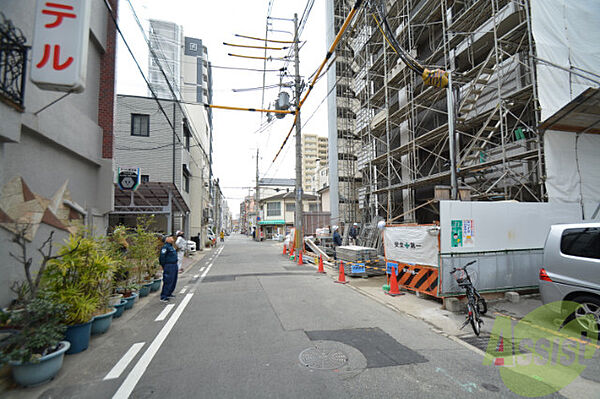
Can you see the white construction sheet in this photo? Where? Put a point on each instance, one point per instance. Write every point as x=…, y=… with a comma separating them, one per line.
x=573, y=169
x=412, y=244
x=566, y=33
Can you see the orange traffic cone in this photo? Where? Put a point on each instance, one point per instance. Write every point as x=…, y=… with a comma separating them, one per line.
x=300, y=261
x=284, y=249
x=291, y=250
x=342, y=277
x=394, y=290
x=321, y=270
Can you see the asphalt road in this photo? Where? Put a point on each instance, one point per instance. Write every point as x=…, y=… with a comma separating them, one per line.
x=249, y=323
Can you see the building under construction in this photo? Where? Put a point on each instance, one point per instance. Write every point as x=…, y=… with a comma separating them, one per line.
x=404, y=160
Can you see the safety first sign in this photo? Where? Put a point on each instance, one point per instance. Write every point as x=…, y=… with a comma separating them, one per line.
x=60, y=45
x=411, y=244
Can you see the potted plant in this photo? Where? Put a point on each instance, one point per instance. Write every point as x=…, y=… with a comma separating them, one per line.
x=143, y=254
x=76, y=280
x=35, y=352
x=116, y=246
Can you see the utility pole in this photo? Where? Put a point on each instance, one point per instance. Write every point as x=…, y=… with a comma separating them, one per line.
x=299, y=210
x=172, y=216
x=256, y=199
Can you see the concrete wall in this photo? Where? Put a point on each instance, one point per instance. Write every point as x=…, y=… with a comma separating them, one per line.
x=62, y=142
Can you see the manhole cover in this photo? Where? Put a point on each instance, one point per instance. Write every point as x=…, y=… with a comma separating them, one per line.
x=323, y=359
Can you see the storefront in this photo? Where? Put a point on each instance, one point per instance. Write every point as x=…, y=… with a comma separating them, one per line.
x=272, y=228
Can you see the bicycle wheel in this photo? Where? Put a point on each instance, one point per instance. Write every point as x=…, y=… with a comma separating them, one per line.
x=482, y=306
x=474, y=319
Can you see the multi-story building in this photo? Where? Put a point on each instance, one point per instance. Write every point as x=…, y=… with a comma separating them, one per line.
x=166, y=40
x=492, y=51
x=184, y=61
x=56, y=149
x=345, y=178
x=279, y=212
x=175, y=180
x=196, y=72
x=314, y=150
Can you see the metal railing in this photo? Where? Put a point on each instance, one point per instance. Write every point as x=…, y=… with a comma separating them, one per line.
x=13, y=59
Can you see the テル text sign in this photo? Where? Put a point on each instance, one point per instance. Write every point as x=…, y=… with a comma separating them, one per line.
x=60, y=44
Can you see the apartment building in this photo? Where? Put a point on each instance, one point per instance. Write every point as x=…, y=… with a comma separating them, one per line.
x=314, y=151
x=175, y=179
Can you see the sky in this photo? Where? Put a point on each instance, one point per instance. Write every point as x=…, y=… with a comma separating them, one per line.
x=237, y=134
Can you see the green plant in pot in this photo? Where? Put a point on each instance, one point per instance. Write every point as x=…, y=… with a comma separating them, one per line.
x=36, y=351
x=78, y=279
x=143, y=254
x=116, y=246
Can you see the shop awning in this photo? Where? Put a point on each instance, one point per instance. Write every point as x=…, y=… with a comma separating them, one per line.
x=267, y=222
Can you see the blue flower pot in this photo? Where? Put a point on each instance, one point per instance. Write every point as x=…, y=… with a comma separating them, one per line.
x=155, y=284
x=120, y=308
x=130, y=300
x=145, y=289
x=101, y=323
x=29, y=374
x=79, y=337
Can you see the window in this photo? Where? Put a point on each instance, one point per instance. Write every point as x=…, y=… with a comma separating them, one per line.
x=273, y=208
x=584, y=242
x=290, y=207
x=145, y=178
x=313, y=208
x=187, y=135
x=186, y=178
x=140, y=125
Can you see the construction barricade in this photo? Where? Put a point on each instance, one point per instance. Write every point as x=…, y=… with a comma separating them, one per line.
x=413, y=250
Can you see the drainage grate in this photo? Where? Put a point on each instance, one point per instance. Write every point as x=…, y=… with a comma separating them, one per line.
x=483, y=340
x=323, y=359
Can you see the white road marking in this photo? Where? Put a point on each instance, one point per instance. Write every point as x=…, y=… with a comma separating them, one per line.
x=140, y=368
x=197, y=275
x=183, y=290
x=163, y=315
x=124, y=361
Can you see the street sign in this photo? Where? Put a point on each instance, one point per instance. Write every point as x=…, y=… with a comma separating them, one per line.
x=60, y=45
x=128, y=178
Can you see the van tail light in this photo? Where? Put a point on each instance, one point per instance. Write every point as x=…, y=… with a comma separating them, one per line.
x=544, y=275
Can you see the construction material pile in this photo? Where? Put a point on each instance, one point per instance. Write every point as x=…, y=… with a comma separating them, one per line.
x=354, y=257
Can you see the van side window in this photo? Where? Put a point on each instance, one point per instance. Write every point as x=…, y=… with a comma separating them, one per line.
x=584, y=242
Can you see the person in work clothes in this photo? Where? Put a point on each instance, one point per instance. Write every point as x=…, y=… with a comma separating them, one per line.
x=168, y=261
x=337, y=241
x=180, y=245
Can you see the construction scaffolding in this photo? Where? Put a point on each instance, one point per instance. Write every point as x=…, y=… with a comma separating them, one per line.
x=348, y=179
x=404, y=158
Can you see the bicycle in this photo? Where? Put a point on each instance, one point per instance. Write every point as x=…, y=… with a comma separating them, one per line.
x=476, y=305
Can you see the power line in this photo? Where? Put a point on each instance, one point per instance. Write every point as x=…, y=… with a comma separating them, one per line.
x=160, y=67
x=139, y=67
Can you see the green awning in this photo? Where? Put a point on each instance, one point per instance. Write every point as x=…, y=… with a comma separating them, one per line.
x=263, y=222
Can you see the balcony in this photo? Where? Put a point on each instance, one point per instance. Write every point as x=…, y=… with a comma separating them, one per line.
x=13, y=58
